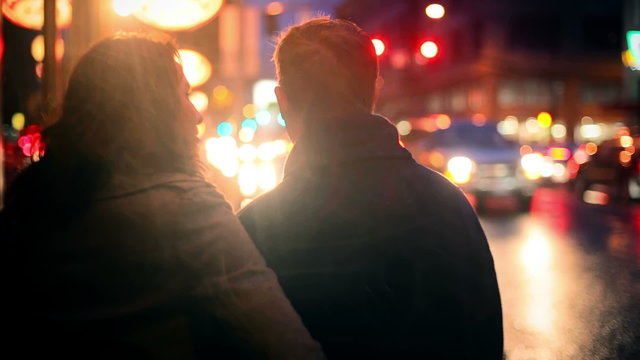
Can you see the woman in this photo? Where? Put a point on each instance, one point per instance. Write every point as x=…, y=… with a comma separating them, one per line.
x=117, y=248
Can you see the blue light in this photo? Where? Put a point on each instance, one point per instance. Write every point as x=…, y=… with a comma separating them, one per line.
x=263, y=117
x=281, y=121
x=250, y=123
x=225, y=129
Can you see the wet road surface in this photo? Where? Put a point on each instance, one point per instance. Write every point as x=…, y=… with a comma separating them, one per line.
x=569, y=275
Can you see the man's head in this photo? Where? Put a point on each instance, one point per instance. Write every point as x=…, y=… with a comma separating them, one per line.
x=325, y=68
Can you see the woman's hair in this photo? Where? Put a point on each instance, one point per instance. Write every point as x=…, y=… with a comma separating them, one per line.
x=123, y=112
x=327, y=67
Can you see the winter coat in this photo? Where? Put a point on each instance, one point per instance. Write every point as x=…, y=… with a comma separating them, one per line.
x=380, y=256
x=156, y=267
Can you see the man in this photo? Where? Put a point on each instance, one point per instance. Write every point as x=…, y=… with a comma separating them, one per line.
x=381, y=257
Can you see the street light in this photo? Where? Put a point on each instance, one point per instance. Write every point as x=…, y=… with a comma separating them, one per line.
x=429, y=49
x=435, y=11
x=379, y=46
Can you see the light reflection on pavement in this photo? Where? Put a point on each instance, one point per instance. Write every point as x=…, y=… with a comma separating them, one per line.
x=569, y=276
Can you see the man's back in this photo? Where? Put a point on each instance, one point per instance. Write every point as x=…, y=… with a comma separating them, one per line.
x=381, y=257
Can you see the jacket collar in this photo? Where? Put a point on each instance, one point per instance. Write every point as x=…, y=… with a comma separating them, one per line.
x=329, y=142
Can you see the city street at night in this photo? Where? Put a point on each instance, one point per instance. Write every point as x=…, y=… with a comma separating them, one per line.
x=569, y=276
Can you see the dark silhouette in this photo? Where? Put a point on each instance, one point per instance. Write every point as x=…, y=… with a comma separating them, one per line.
x=381, y=257
x=114, y=245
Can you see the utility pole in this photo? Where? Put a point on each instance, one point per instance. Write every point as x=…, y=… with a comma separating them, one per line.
x=50, y=76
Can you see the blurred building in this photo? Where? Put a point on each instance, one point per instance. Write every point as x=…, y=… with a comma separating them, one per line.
x=499, y=58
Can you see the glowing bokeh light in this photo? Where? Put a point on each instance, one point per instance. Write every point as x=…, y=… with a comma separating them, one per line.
x=508, y=126
x=200, y=100
x=404, y=127
x=544, y=120
x=30, y=13
x=267, y=151
x=434, y=11
x=37, y=48
x=175, y=15
x=247, y=153
x=443, y=121
x=591, y=148
x=275, y=8
x=625, y=157
x=267, y=177
x=379, y=46
x=249, y=111
x=250, y=123
x=246, y=134
x=126, y=7
x=248, y=179
x=429, y=49
x=626, y=141
x=17, y=121
x=263, y=117
x=201, y=129
x=590, y=131
x=225, y=128
x=525, y=149
x=558, y=131
x=459, y=169
x=281, y=120
x=197, y=69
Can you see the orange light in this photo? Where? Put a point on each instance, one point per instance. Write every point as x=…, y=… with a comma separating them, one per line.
x=443, y=121
x=525, y=149
x=626, y=141
x=625, y=157
x=436, y=159
x=37, y=48
x=275, y=8
x=30, y=14
x=479, y=119
x=177, y=15
x=434, y=11
x=379, y=46
x=559, y=153
x=401, y=143
x=429, y=49
x=591, y=148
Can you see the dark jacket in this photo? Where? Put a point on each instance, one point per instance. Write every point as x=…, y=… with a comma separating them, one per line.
x=156, y=267
x=381, y=257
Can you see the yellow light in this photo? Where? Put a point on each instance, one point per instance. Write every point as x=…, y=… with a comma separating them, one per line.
x=275, y=8
x=249, y=111
x=267, y=178
x=544, y=120
x=247, y=179
x=591, y=148
x=30, y=13
x=177, y=15
x=201, y=128
x=199, y=100
x=126, y=7
x=435, y=11
x=246, y=134
x=429, y=49
x=222, y=153
x=220, y=92
x=196, y=67
x=626, y=141
x=459, y=169
x=37, y=48
x=17, y=121
x=281, y=147
x=379, y=46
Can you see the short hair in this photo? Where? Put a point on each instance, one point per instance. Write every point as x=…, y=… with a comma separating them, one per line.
x=122, y=109
x=327, y=66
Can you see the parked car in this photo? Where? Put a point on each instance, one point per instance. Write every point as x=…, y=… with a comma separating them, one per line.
x=481, y=161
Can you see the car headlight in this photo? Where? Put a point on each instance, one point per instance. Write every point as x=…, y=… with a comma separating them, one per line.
x=459, y=169
x=532, y=164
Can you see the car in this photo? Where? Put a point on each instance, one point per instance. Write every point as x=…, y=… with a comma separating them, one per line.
x=610, y=173
x=481, y=161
